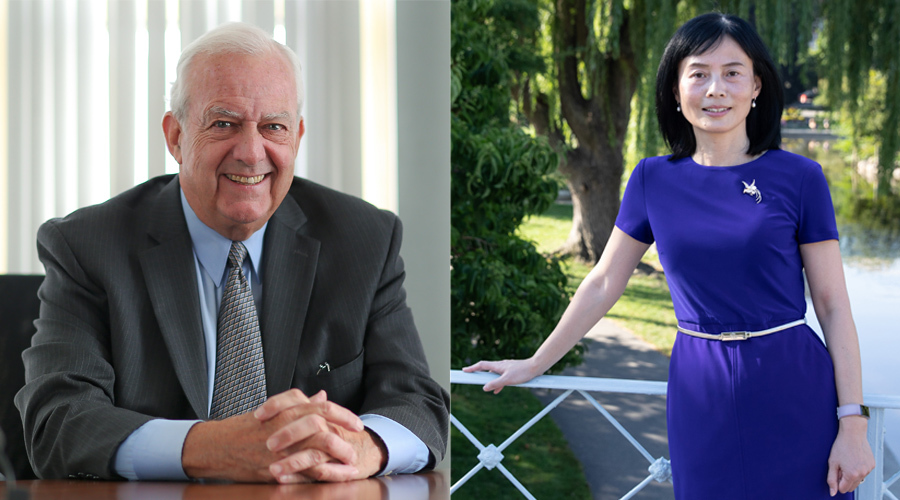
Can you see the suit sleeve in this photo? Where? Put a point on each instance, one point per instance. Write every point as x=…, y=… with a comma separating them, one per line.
x=72, y=427
x=397, y=380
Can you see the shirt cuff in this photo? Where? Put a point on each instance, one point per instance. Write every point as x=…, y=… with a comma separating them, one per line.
x=406, y=452
x=153, y=451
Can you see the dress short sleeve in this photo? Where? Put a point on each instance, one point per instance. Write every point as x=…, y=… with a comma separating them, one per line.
x=816, y=209
x=632, y=218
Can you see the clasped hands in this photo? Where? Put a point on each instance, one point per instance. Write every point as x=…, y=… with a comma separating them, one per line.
x=291, y=438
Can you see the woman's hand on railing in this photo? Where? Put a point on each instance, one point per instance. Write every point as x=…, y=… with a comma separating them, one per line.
x=511, y=371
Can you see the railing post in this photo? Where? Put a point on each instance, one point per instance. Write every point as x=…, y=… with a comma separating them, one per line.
x=873, y=487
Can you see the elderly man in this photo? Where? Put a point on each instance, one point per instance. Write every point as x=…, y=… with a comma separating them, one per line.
x=231, y=321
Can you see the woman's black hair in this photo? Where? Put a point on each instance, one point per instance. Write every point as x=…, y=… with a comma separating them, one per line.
x=697, y=36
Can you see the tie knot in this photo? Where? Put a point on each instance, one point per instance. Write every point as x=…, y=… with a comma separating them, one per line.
x=237, y=254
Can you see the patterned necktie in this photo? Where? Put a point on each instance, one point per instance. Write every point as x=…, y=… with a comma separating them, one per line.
x=240, y=384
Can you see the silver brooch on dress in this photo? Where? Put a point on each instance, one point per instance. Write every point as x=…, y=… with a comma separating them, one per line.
x=752, y=190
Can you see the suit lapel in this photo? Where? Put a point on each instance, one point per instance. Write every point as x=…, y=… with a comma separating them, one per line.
x=289, y=269
x=171, y=279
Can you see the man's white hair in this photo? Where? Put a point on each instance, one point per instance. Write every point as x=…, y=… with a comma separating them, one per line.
x=229, y=38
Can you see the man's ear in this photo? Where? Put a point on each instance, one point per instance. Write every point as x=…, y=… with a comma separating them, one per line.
x=301, y=129
x=172, y=131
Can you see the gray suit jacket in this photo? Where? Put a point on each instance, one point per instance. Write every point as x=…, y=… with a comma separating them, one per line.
x=119, y=340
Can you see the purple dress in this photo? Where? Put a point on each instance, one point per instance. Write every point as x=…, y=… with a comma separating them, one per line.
x=751, y=419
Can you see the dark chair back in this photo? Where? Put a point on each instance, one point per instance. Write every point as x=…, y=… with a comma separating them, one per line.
x=19, y=307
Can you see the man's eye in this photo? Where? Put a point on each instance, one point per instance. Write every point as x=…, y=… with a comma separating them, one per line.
x=221, y=124
x=275, y=126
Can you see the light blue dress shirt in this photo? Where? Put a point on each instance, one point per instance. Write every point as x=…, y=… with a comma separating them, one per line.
x=153, y=451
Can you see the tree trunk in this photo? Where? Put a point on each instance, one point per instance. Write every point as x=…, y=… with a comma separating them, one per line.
x=594, y=168
x=884, y=177
x=594, y=182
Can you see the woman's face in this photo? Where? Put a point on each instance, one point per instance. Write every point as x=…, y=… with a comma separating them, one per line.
x=715, y=90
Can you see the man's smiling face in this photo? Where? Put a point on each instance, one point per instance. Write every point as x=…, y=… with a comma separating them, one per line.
x=240, y=139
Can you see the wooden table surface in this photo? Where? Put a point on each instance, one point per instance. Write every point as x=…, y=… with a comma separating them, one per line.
x=434, y=485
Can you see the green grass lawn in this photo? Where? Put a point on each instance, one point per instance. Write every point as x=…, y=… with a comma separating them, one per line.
x=646, y=306
x=540, y=458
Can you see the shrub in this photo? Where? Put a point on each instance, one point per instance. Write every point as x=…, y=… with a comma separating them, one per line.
x=505, y=296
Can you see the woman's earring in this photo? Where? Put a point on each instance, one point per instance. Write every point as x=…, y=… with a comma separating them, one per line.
x=679, y=108
x=753, y=103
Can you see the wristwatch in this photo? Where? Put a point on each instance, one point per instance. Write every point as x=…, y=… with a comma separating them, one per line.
x=853, y=409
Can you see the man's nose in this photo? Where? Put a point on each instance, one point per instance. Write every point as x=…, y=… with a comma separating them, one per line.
x=250, y=148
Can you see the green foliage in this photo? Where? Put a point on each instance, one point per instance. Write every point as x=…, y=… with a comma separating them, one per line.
x=859, y=119
x=506, y=297
x=879, y=213
x=862, y=122
x=849, y=54
x=652, y=23
x=490, y=39
x=499, y=177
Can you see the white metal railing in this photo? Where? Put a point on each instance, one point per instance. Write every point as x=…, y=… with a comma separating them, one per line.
x=875, y=487
x=490, y=456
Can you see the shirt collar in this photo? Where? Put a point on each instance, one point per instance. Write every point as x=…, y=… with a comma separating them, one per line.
x=212, y=248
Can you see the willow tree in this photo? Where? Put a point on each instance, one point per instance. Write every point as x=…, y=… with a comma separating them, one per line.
x=851, y=54
x=602, y=59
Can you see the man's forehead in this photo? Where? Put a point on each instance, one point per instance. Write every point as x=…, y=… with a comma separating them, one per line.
x=227, y=58
x=237, y=70
x=246, y=86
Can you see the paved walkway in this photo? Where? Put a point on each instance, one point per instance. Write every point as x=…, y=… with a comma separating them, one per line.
x=616, y=353
x=611, y=465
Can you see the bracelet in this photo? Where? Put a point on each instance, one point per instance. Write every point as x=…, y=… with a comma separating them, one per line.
x=853, y=409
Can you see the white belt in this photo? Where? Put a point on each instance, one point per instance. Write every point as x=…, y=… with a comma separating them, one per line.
x=726, y=336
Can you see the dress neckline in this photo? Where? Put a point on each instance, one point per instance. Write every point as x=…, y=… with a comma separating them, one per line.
x=761, y=156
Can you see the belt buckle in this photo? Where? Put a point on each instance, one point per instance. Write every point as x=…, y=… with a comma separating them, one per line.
x=729, y=336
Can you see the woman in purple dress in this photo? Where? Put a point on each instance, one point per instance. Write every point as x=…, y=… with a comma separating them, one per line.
x=753, y=392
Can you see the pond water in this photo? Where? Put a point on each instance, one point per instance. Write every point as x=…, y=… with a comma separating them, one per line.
x=873, y=283
x=871, y=260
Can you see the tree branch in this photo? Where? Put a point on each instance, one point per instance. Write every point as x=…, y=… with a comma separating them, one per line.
x=572, y=102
